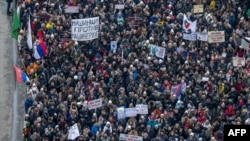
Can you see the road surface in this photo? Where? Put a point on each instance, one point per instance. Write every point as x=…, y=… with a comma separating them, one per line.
x=11, y=94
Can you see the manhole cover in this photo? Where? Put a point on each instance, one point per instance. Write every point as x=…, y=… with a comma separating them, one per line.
x=2, y=3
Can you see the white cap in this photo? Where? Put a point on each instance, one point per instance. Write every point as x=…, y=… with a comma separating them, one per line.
x=110, y=102
x=76, y=43
x=34, y=85
x=183, y=43
x=75, y=77
x=160, y=61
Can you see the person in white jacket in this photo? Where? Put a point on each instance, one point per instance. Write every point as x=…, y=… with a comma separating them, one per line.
x=107, y=127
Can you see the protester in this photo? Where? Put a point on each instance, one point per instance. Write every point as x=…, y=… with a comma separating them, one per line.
x=191, y=92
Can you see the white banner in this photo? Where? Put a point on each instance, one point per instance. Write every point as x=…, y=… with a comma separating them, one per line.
x=130, y=112
x=157, y=51
x=190, y=36
x=93, y=104
x=29, y=36
x=239, y=62
x=202, y=37
x=142, y=109
x=84, y=29
x=73, y=132
x=72, y=9
x=119, y=6
x=216, y=36
x=126, y=137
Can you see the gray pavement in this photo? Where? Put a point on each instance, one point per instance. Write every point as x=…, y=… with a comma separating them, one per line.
x=11, y=94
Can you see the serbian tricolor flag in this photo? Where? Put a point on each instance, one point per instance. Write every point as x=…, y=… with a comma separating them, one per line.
x=176, y=91
x=21, y=76
x=40, y=50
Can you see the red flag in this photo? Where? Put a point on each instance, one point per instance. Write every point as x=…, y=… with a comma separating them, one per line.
x=43, y=46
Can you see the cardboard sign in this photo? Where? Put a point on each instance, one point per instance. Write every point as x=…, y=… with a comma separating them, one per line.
x=95, y=104
x=198, y=8
x=239, y=62
x=216, y=36
x=73, y=132
x=72, y=9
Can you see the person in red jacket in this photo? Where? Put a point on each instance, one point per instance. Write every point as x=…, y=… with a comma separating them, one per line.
x=240, y=52
x=239, y=86
x=230, y=111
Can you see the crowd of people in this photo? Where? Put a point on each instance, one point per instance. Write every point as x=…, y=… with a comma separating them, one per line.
x=72, y=73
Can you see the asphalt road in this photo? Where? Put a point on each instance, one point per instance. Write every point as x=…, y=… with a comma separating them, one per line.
x=11, y=94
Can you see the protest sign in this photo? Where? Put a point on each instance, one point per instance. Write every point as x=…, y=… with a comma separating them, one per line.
x=119, y=6
x=120, y=113
x=130, y=112
x=73, y=132
x=198, y=8
x=127, y=137
x=205, y=78
x=190, y=36
x=95, y=104
x=84, y=29
x=113, y=46
x=142, y=108
x=202, y=36
x=239, y=62
x=71, y=9
x=134, y=21
x=245, y=44
x=216, y=36
x=157, y=51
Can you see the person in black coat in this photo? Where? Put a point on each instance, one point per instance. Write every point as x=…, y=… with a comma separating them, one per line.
x=8, y=6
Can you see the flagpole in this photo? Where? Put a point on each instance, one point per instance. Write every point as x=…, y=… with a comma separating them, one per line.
x=122, y=55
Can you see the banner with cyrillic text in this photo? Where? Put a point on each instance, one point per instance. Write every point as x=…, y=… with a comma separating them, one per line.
x=142, y=109
x=239, y=62
x=127, y=137
x=93, y=104
x=216, y=36
x=84, y=29
x=130, y=112
x=72, y=9
x=190, y=36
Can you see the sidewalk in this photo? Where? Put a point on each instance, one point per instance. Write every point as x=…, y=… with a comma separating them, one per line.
x=7, y=83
